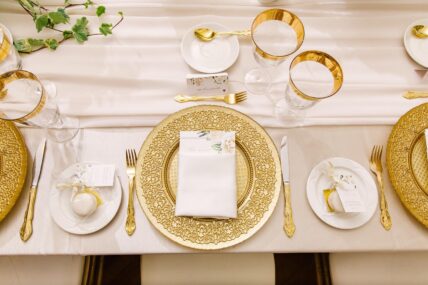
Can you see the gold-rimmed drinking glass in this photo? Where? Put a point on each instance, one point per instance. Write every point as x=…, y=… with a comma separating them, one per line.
x=9, y=57
x=313, y=76
x=26, y=100
x=276, y=34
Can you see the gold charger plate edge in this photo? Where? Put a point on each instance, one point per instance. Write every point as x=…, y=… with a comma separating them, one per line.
x=391, y=165
x=220, y=245
x=24, y=166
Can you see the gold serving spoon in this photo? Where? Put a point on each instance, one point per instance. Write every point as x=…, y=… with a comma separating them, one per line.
x=420, y=31
x=207, y=34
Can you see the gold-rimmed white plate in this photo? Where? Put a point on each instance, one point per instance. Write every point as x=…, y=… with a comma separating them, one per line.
x=407, y=161
x=258, y=178
x=13, y=166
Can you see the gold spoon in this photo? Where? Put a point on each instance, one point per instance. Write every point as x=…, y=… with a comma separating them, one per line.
x=207, y=34
x=420, y=31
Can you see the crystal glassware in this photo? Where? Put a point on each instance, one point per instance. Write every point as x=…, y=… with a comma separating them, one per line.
x=276, y=34
x=9, y=57
x=24, y=99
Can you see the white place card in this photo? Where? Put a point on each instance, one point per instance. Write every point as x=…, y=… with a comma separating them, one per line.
x=100, y=175
x=207, y=84
x=349, y=195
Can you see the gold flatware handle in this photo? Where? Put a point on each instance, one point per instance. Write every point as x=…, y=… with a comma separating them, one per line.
x=385, y=217
x=237, y=33
x=180, y=98
x=27, y=226
x=130, y=218
x=289, y=226
x=415, y=94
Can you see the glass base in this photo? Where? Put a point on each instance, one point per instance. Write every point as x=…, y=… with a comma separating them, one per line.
x=288, y=115
x=258, y=82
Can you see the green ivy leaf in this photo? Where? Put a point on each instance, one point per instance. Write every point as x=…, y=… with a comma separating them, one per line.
x=41, y=22
x=105, y=29
x=66, y=2
x=88, y=3
x=120, y=13
x=59, y=17
x=80, y=30
x=67, y=34
x=52, y=44
x=28, y=45
x=101, y=10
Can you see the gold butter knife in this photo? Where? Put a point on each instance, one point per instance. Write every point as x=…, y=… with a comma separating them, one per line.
x=289, y=226
x=27, y=226
x=415, y=94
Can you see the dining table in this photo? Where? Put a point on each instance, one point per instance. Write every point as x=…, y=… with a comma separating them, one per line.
x=121, y=86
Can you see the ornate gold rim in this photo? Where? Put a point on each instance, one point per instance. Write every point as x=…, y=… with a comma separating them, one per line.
x=4, y=46
x=280, y=15
x=20, y=179
x=202, y=233
x=324, y=59
x=402, y=139
x=13, y=75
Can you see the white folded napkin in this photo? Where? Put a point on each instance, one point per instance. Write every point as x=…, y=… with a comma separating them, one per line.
x=206, y=175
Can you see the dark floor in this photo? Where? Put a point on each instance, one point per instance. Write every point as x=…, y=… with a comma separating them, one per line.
x=290, y=269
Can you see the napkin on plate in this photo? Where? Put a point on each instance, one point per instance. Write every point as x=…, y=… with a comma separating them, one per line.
x=206, y=175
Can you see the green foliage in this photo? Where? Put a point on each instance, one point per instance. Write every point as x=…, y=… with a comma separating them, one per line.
x=48, y=19
x=105, y=29
x=101, y=10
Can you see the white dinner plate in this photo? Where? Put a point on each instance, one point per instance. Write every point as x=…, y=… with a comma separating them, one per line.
x=210, y=57
x=416, y=48
x=318, y=181
x=63, y=215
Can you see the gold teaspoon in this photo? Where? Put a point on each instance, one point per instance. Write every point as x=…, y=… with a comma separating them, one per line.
x=207, y=34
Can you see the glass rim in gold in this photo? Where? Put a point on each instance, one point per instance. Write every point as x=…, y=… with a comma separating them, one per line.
x=13, y=75
x=280, y=15
x=4, y=46
x=259, y=172
x=325, y=59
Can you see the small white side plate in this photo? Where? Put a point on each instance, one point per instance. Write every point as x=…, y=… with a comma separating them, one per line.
x=417, y=48
x=210, y=57
x=318, y=181
x=63, y=215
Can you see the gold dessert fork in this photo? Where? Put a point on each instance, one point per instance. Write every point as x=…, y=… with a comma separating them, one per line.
x=376, y=168
x=131, y=161
x=232, y=98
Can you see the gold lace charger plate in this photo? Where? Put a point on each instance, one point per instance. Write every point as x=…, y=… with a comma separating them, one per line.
x=407, y=161
x=13, y=166
x=258, y=174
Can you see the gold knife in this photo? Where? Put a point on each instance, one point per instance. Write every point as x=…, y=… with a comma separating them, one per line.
x=27, y=226
x=289, y=226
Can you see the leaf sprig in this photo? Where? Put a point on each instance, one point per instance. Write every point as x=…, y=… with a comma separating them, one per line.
x=46, y=19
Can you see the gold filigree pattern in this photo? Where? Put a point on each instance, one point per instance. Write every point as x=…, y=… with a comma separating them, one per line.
x=407, y=161
x=13, y=166
x=263, y=166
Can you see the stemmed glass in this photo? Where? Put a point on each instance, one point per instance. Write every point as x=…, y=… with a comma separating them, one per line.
x=276, y=34
x=313, y=76
x=25, y=100
x=9, y=57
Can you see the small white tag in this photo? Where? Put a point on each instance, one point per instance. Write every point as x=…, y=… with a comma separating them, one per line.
x=350, y=197
x=100, y=175
x=207, y=84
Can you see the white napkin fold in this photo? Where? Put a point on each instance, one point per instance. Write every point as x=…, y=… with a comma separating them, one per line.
x=206, y=175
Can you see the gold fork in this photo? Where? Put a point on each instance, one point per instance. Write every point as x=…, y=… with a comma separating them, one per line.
x=232, y=98
x=376, y=168
x=131, y=161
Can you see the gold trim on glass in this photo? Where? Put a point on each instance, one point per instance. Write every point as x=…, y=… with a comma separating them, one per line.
x=258, y=176
x=280, y=15
x=407, y=161
x=13, y=75
x=324, y=59
x=4, y=46
x=14, y=166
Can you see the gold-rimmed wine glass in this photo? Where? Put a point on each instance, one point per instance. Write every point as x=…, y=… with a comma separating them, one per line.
x=26, y=100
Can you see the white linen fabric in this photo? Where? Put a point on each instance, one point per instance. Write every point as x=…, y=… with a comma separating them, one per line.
x=206, y=175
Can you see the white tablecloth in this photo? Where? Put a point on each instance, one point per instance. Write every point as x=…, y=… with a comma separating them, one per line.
x=129, y=80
